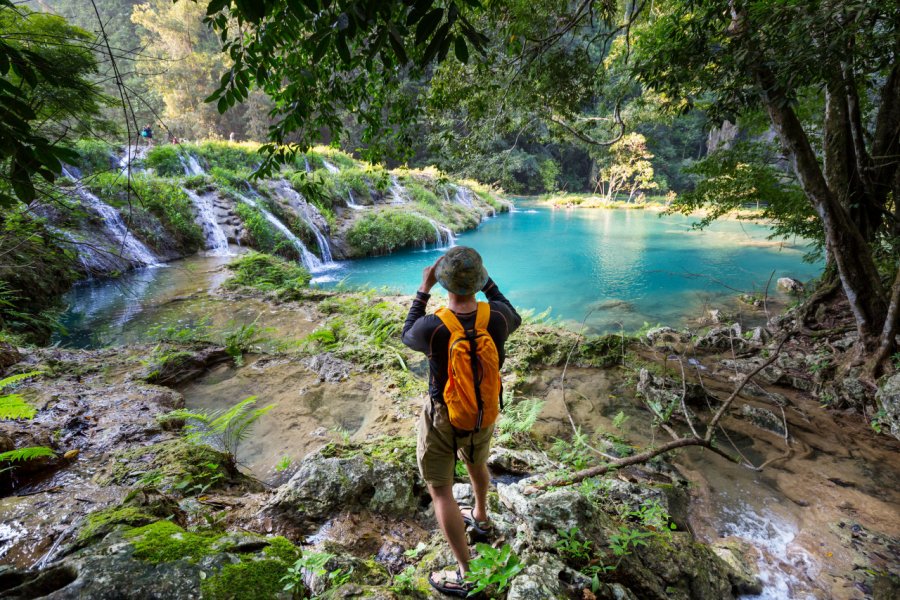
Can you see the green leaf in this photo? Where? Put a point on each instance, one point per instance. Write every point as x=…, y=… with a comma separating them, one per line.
x=427, y=25
x=216, y=5
x=23, y=454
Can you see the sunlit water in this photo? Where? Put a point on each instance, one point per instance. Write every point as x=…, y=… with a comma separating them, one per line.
x=628, y=266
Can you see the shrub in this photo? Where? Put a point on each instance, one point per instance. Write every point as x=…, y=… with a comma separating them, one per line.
x=95, y=156
x=165, y=160
x=385, y=231
x=242, y=156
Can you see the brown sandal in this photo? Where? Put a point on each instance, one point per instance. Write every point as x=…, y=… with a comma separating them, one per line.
x=450, y=583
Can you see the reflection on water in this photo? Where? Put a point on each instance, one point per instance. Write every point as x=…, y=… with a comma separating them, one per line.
x=100, y=310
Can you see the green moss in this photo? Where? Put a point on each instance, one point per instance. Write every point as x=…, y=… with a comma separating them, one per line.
x=538, y=344
x=102, y=521
x=394, y=449
x=254, y=577
x=268, y=274
x=165, y=541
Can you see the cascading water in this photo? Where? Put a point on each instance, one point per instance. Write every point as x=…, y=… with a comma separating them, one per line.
x=306, y=165
x=191, y=165
x=299, y=203
x=331, y=168
x=216, y=243
x=351, y=201
x=464, y=196
x=309, y=260
x=443, y=235
x=398, y=193
x=131, y=248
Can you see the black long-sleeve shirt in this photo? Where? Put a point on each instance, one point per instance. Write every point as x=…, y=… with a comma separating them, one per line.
x=428, y=334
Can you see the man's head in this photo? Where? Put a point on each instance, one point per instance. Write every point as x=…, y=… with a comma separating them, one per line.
x=461, y=271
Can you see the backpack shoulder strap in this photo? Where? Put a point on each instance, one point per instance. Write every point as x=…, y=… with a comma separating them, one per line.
x=483, y=316
x=449, y=320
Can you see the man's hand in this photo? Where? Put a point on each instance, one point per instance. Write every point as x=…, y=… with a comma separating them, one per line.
x=429, y=276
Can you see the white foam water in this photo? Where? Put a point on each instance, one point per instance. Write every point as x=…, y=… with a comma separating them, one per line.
x=216, y=242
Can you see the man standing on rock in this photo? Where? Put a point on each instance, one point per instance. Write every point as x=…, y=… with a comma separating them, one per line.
x=464, y=344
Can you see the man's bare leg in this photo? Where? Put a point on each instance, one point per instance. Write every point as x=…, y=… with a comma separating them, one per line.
x=481, y=479
x=449, y=518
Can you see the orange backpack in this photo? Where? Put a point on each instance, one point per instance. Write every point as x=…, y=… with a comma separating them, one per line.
x=473, y=389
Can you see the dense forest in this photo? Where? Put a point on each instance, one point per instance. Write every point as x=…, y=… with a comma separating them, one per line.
x=212, y=212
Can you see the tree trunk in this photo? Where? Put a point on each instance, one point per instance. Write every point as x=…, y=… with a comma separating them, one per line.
x=889, y=334
x=852, y=255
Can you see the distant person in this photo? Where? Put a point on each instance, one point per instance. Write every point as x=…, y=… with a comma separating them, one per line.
x=466, y=339
x=147, y=134
x=231, y=137
x=173, y=139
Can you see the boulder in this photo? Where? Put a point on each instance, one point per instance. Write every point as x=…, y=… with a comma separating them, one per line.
x=741, y=556
x=546, y=578
x=723, y=338
x=789, y=284
x=888, y=398
x=355, y=479
x=764, y=419
x=181, y=366
x=666, y=337
x=328, y=367
x=517, y=462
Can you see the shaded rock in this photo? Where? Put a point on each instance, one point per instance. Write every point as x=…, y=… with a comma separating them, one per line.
x=181, y=366
x=9, y=355
x=741, y=556
x=462, y=493
x=662, y=392
x=325, y=485
x=519, y=462
x=854, y=391
x=328, y=367
x=888, y=398
x=789, y=284
x=750, y=299
x=760, y=336
x=764, y=419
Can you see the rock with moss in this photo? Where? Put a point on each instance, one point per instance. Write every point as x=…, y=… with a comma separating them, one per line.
x=546, y=577
x=888, y=398
x=162, y=560
x=270, y=274
x=381, y=477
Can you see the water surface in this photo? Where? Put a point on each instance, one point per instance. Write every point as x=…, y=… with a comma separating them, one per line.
x=626, y=266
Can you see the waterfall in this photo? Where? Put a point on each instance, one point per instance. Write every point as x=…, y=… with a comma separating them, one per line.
x=132, y=248
x=216, y=241
x=443, y=235
x=306, y=164
x=331, y=168
x=398, y=194
x=463, y=196
x=299, y=203
x=192, y=166
x=352, y=203
x=131, y=154
x=309, y=260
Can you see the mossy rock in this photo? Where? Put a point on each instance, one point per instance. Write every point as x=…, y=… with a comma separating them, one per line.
x=167, y=465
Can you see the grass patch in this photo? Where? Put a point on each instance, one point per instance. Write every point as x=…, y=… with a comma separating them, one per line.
x=165, y=541
x=268, y=274
x=263, y=236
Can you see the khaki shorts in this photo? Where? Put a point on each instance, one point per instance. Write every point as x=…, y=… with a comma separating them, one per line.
x=435, y=444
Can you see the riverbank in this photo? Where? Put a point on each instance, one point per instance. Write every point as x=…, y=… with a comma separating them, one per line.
x=657, y=204
x=345, y=395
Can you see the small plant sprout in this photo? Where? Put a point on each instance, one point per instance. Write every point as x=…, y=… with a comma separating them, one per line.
x=284, y=464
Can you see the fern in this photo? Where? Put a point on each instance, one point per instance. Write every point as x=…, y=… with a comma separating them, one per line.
x=14, y=406
x=17, y=378
x=518, y=418
x=223, y=429
x=23, y=454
